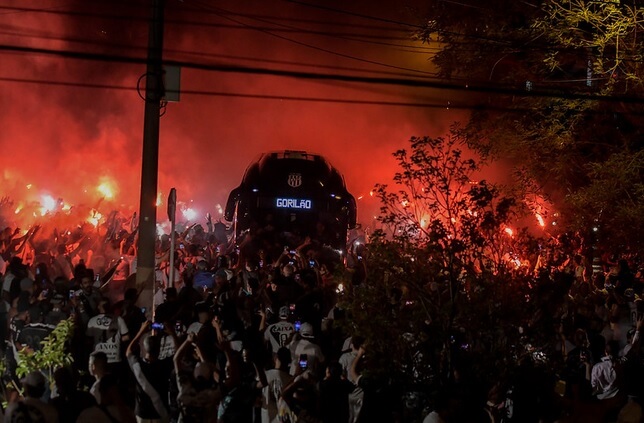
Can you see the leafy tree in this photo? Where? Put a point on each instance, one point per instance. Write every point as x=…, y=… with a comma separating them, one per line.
x=442, y=276
x=559, y=53
x=53, y=355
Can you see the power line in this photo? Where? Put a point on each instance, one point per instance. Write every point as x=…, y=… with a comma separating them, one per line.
x=401, y=82
x=245, y=95
x=358, y=15
x=391, y=21
x=101, y=43
x=350, y=36
x=346, y=56
x=83, y=14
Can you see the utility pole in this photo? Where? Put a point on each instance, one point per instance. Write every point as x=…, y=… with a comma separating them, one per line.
x=145, y=273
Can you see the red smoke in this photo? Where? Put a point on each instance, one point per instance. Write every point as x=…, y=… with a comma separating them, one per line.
x=66, y=141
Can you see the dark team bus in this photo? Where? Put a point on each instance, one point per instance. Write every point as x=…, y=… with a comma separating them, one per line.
x=294, y=192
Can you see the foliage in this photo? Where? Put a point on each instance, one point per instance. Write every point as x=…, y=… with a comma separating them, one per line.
x=442, y=279
x=53, y=354
x=442, y=210
x=606, y=32
x=559, y=50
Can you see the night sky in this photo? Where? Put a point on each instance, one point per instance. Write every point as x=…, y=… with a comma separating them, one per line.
x=65, y=139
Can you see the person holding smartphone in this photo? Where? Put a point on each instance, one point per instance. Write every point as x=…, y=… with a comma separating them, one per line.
x=304, y=345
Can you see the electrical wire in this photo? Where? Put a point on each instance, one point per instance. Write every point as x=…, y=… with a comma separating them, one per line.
x=335, y=53
x=349, y=37
x=401, y=82
x=443, y=105
x=145, y=19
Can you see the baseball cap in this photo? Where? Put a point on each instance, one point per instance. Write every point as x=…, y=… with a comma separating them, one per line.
x=283, y=313
x=306, y=331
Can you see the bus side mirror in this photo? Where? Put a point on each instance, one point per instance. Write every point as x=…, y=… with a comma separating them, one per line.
x=352, y=212
x=231, y=204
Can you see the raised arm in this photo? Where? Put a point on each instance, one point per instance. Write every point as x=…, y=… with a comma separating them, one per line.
x=144, y=328
x=353, y=373
x=182, y=350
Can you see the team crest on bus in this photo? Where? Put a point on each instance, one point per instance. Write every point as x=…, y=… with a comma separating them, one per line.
x=294, y=180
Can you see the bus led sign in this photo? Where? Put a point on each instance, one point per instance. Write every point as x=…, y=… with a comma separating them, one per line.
x=292, y=203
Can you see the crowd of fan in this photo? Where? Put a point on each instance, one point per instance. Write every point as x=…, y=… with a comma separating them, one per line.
x=250, y=335
x=242, y=334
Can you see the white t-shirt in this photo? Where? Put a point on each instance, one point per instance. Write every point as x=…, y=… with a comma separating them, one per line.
x=6, y=284
x=276, y=380
x=304, y=346
x=279, y=334
x=107, y=332
x=433, y=417
x=168, y=348
x=346, y=360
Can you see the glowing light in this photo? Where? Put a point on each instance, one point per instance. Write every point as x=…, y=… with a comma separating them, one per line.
x=189, y=214
x=47, y=203
x=340, y=288
x=509, y=231
x=29, y=186
x=360, y=198
x=220, y=209
x=18, y=209
x=106, y=189
x=159, y=199
x=66, y=207
x=160, y=231
x=542, y=223
x=371, y=193
x=94, y=218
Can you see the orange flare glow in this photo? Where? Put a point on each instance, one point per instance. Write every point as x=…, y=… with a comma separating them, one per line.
x=189, y=214
x=509, y=231
x=95, y=218
x=542, y=223
x=106, y=189
x=47, y=204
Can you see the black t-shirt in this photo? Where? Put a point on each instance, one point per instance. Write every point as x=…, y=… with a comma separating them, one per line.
x=15, y=327
x=377, y=404
x=157, y=374
x=70, y=407
x=33, y=334
x=334, y=400
x=167, y=311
